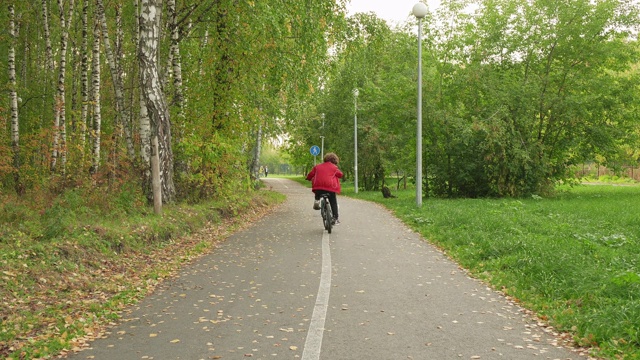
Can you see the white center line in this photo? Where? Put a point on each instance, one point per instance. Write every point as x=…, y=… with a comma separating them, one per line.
x=316, y=329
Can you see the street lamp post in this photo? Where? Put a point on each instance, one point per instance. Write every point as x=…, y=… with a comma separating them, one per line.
x=419, y=11
x=355, y=138
x=322, y=137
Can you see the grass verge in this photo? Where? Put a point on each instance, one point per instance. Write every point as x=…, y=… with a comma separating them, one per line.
x=70, y=267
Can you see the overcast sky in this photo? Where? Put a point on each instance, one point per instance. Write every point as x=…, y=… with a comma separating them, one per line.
x=394, y=11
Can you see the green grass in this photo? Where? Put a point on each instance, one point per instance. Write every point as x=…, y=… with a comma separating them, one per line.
x=68, y=267
x=573, y=258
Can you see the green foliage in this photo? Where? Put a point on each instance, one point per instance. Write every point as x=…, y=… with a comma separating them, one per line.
x=244, y=66
x=63, y=213
x=529, y=98
x=514, y=94
x=217, y=168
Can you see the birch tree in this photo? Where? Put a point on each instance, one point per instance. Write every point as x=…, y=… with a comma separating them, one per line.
x=15, y=123
x=60, y=133
x=47, y=37
x=145, y=123
x=84, y=77
x=97, y=116
x=155, y=101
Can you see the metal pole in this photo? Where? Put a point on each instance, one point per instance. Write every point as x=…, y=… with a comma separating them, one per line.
x=355, y=138
x=322, y=150
x=419, y=129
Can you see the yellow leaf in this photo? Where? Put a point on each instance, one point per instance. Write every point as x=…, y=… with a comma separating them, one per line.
x=175, y=341
x=294, y=348
x=153, y=335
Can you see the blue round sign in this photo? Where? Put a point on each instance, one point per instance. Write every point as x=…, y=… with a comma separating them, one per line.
x=315, y=150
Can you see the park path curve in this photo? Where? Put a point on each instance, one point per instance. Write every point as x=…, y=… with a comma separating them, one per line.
x=285, y=289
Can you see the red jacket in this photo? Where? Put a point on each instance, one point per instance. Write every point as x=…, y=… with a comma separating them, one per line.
x=325, y=176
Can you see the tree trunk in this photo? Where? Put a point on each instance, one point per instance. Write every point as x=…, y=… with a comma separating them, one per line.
x=121, y=116
x=145, y=147
x=47, y=83
x=154, y=97
x=15, y=121
x=97, y=118
x=254, y=169
x=84, y=68
x=56, y=122
x=47, y=37
x=176, y=65
x=176, y=61
x=145, y=125
x=156, y=184
x=60, y=133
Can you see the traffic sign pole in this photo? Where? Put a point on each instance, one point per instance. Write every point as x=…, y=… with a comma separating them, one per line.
x=315, y=150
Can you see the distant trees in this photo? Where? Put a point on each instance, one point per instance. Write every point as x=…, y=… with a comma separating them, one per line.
x=514, y=93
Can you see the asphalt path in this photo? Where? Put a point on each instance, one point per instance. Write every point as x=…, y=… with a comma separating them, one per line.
x=284, y=288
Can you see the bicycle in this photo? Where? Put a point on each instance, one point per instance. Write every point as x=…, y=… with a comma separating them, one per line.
x=325, y=211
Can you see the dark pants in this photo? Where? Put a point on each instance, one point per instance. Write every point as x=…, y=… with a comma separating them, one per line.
x=333, y=200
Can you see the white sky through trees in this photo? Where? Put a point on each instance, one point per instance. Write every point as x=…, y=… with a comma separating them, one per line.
x=393, y=11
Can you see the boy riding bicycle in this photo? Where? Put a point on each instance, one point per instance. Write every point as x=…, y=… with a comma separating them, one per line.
x=325, y=179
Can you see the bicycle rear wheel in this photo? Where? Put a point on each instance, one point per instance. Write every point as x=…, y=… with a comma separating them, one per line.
x=328, y=219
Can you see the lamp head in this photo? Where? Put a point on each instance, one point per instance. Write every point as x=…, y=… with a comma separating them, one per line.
x=419, y=10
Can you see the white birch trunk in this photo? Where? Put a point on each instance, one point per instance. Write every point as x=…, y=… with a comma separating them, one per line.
x=97, y=118
x=48, y=73
x=15, y=120
x=60, y=133
x=84, y=68
x=15, y=129
x=154, y=97
x=47, y=37
x=56, y=105
x=145, y=122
